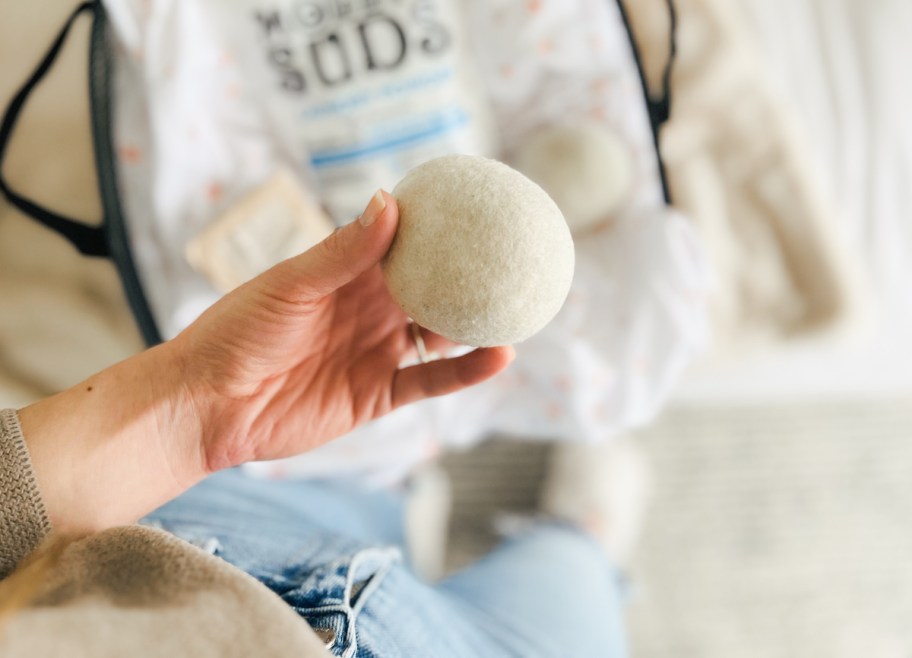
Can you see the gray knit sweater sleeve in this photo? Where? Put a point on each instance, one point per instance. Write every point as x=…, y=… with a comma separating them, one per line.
x=23, y=518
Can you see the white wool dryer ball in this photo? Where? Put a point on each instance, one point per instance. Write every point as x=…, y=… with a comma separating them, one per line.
x=585, y=167
x=482, y=255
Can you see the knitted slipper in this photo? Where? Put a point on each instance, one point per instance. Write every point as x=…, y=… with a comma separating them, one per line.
x=603, y=488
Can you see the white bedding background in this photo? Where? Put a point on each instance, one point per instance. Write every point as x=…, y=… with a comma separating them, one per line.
x=840, y=68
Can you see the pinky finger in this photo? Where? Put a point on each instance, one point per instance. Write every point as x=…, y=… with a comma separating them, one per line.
x=429, y=380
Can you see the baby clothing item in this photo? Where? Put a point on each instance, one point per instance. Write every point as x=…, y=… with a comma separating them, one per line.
x=197, y=104
x=635, y=316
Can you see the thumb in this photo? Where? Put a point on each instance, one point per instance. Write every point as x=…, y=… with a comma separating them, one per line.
x=341, y=257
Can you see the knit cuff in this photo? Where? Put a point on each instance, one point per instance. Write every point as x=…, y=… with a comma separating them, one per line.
x=24, y=521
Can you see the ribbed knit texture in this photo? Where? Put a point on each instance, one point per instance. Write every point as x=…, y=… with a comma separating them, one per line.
x=110, y=594
x=23, y=518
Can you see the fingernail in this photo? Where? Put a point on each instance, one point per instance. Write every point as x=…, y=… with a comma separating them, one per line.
x=511, y=354
x=376, y=206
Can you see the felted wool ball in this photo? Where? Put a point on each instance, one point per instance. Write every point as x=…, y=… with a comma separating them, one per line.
x=585, y=167
x=482, y=255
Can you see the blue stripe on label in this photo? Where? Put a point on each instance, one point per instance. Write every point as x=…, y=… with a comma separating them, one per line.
x=440, y=126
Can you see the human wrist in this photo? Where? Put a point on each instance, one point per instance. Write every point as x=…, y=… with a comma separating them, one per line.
x=213, y=413
x=181, y=410
x=113, y=448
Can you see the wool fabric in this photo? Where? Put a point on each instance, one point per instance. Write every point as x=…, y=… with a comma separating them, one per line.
x=482, y=256
x=587, y=169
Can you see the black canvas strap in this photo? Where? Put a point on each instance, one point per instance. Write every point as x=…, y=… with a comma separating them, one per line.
x=89, y=240
x=659, y=107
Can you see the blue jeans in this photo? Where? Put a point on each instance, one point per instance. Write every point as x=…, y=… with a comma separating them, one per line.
x=334, y=553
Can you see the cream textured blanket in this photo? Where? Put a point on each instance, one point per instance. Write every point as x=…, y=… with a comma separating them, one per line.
x=790, y=148
x=741, y=168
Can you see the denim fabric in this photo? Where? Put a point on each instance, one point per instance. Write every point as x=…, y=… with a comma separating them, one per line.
x=334, y=553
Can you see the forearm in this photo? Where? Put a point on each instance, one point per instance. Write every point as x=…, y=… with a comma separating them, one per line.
x=293, y=359
x=116, y=446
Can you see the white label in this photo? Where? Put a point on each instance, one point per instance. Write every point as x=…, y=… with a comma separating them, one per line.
x=367, y=89
x=274, y=222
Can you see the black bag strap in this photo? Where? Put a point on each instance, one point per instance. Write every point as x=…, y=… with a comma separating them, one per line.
x=89, y=240
x=659, y=106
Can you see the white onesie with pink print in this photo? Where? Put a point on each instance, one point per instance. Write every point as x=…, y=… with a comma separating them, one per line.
x=349, y=94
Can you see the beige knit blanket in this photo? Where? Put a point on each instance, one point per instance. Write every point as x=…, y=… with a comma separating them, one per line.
x=741, y=168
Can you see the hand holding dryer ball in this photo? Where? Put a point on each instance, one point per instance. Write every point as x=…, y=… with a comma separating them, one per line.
x=482, y=255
